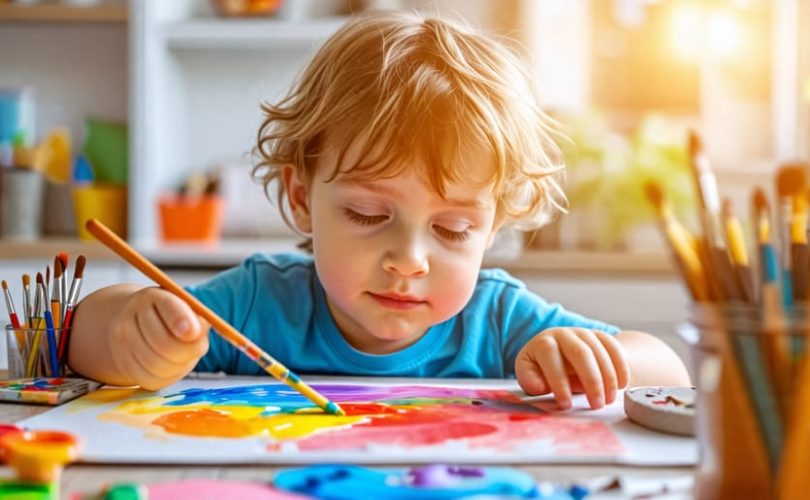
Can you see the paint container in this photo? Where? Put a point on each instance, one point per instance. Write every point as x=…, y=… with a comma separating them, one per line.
x=16, y=113
x=21, y=192
x=745, y=378
x=105, y=202
x=39, y=456
x=191, y=218
x=31, y=351
x=59, y=218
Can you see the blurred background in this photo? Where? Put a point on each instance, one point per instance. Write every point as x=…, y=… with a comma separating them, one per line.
x=144, y=113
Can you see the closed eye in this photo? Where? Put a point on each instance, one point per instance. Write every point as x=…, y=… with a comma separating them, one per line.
x=451, y=235
x=364, y=220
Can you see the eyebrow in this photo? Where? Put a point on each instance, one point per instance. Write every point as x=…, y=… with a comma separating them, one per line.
x=396, y=193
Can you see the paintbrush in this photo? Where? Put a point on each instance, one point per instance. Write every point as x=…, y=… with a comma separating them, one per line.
x=748, y=347
x=791, y=184
x=70, y=304
x=12, y=313
x=13, y=318
x=680, y=242
x=738, y=252
x=52, y=316
x=29, y=313
x=774, y=340
x=56, y=293
x=47, y=281
x=720, y=265
x=219, y=325
x=40, y=298
x=63, y=259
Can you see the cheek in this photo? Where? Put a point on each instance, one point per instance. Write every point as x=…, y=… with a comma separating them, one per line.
x=340, y=276
x=455, y=285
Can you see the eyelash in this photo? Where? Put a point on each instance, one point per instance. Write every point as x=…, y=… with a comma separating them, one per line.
x=449, y=235
x=370, y=220
x=364, y=220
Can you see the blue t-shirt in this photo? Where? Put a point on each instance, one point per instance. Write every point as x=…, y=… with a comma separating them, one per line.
x=278, y=302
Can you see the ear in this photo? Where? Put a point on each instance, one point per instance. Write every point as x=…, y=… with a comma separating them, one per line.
x=298, y=199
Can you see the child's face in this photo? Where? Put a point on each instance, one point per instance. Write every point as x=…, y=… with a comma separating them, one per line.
x=393, y=256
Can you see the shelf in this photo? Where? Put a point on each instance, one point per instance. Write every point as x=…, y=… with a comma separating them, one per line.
x=231, y=252
x=249, y=33
x=56, y=13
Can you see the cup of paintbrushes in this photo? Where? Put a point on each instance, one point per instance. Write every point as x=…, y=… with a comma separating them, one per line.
x=747, y=402
x=33, y=352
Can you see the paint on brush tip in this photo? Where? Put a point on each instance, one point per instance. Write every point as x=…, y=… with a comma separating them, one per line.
x=333, y=409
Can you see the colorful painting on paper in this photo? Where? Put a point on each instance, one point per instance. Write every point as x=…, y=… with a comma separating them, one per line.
x=229, y=421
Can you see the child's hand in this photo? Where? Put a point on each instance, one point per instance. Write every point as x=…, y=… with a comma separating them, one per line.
x=566, y=360
x=156, y=339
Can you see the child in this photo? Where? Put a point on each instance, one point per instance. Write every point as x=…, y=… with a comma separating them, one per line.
x=403, y=148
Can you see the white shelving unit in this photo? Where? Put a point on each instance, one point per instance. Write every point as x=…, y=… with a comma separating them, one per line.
x=196, y=84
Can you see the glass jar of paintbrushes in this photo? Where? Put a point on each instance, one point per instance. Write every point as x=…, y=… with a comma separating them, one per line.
x=38, y=336
x=752, y=400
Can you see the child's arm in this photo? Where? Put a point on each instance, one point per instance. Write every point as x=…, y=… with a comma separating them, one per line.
x=568, y=360
x=130, y=335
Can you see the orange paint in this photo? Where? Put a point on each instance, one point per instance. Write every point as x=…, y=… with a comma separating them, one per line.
x=203, y=422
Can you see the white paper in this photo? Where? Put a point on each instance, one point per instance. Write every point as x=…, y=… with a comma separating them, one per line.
x=108, y=441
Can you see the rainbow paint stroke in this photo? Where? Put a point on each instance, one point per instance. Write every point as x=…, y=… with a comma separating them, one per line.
x=405, y=416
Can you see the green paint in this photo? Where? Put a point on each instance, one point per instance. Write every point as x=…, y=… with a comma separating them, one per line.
x=126, y=491
x=15, y=490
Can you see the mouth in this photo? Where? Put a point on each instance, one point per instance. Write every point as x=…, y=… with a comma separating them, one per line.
x=395, y=301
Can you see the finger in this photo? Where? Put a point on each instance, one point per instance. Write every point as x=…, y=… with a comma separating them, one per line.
x=584, y=363
x=154, y=335
x=178, y=317
x=616, y=352
x=609, y=377
x=530, y=376
x=547, y=355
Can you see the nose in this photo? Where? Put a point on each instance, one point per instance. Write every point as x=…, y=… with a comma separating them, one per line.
x=407, y=256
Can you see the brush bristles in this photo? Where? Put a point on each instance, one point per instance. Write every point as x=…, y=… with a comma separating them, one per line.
x=654, y=194
x=760, y=202
x=5, y=285
x=63, y=258
x=26, y=280
x=40, y=281
x=79, y=270
x=57, y=268
x=695, y=145
x=762, y=216
x=791, y=180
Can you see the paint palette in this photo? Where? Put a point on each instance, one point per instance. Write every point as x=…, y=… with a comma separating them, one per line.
x=667, y=409
x=44, y=390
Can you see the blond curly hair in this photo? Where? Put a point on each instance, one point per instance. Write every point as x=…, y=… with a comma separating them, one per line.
x=398, y=85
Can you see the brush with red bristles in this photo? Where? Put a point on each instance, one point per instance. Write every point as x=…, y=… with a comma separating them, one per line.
x=70, y=304
x=63, y=260
x=12, y=313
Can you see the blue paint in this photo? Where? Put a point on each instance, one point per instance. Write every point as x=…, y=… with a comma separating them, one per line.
x=433, y=481
x=332, y=408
